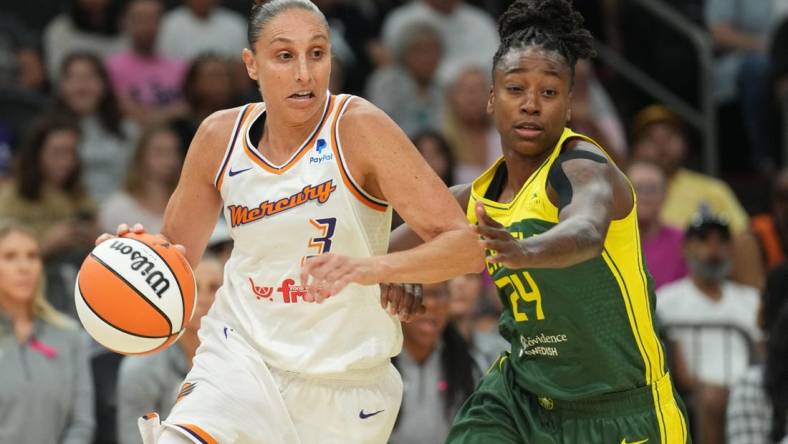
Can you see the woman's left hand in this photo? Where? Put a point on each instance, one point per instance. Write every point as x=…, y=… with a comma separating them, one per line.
x=331, y=273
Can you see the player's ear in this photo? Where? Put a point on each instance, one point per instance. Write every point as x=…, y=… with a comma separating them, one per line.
x=490, y=101
x=250, y=62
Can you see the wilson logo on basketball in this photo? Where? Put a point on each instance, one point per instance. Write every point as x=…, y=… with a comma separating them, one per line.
x=139, y=263
x=134, y=294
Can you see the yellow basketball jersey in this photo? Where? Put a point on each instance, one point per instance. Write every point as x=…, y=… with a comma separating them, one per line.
x=580, y=331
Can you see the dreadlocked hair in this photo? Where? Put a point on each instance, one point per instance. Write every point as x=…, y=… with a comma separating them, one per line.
x=553, y=25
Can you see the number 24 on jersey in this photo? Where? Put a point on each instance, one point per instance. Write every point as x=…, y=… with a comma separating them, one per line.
x=523, y=290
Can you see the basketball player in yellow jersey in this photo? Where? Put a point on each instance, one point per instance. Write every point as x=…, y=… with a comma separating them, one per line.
x=304, y=173
x=559, y=223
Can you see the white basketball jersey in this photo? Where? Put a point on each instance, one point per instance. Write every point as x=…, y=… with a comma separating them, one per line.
x=281, y=214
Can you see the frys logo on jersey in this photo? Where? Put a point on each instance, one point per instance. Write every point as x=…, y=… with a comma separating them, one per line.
x=288, y=290
x=241, y=214
x=321, y=153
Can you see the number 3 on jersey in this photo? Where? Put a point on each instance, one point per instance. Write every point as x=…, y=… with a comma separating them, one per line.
x=522, y=290
x=326, y=227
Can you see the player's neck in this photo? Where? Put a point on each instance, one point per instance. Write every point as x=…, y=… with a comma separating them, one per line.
x=519, y=170
x=281, y=138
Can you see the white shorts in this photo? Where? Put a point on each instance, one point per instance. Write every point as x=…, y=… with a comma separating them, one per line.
x=232, y=396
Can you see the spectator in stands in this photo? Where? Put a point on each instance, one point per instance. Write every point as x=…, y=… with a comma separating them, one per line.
x=46, y=394
x=347, y=20
x=32, y=76
x=594, y=114
x=740, y=30
x=22, y=86
x=764, y=246
x=407, y=90
x=107, y=138
x=487, y=339
x=464, y=294
x=469, y=308
x=22, y=65
x=778, y=87
x=435, y=150
x=659, y=137
x=148, y=84
x=714, y=357
x=46, y=194
x=468, y=127
x=151, y=179
x=207, y=88
x=762, y=392
x=468, y=33
x=771, y=229
x=438, y=372
x=662, y=244
x=342, y=61
x=89, y=26
x=153, y=382
x=200, y=26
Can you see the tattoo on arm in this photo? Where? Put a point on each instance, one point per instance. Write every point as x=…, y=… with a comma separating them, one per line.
x=557, y=177
x=581, y=232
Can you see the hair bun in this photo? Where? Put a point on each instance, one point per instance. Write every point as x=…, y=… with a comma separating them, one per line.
x=551, y=16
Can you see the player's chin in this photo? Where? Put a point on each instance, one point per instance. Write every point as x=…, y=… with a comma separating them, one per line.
x=529, y=147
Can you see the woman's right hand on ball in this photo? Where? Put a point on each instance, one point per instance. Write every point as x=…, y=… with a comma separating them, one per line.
x=122, y=230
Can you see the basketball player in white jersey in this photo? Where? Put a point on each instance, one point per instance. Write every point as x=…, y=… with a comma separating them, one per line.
x=306, y=173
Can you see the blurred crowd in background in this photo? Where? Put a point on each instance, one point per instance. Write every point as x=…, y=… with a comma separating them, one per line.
x=99, y=100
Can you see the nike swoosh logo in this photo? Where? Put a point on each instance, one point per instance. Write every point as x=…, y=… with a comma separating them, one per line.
x=363, y=415
x=233, y=173
x=624, y=441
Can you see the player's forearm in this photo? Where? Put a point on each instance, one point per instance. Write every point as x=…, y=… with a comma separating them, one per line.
x=403, y=238
x=449, y=254
x=568, y=243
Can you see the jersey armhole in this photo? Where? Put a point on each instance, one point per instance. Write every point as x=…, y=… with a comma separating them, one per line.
x=219, y=178
x=357, y=191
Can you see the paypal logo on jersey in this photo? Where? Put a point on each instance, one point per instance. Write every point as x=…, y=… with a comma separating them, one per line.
x=321, y=156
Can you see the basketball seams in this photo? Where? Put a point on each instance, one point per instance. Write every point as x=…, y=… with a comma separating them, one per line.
x=136, y=290
x=98, y=315
x=177, y=282
x=121, y=308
